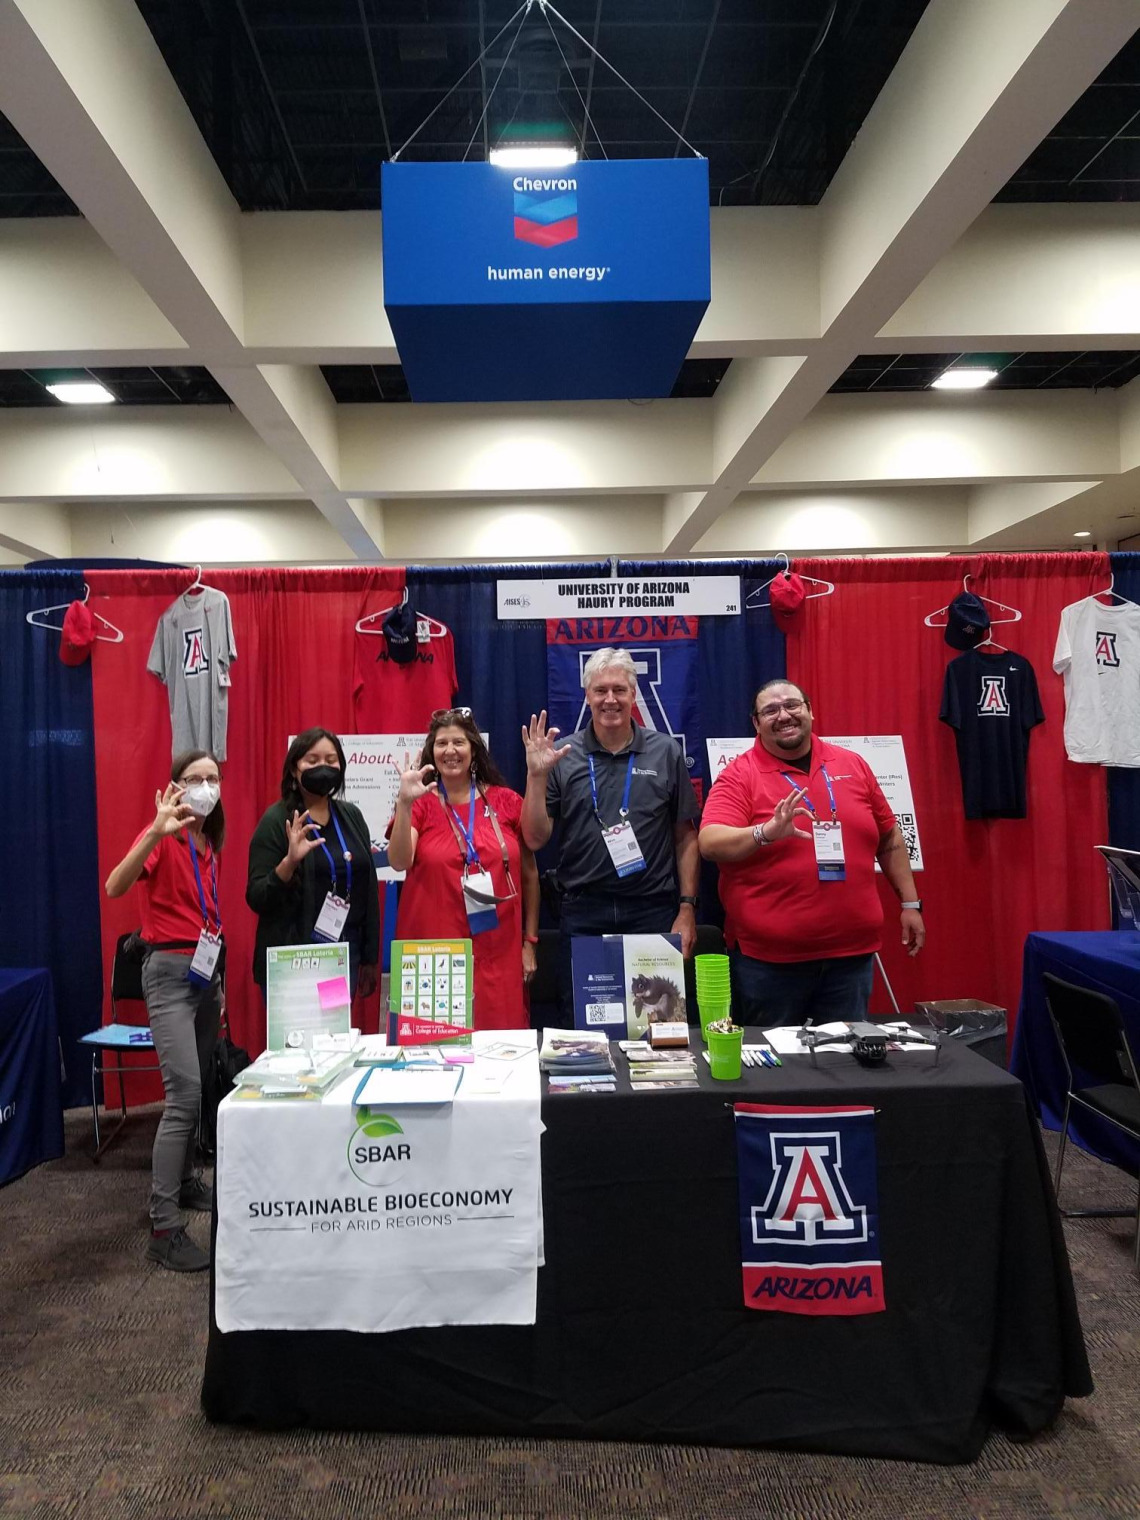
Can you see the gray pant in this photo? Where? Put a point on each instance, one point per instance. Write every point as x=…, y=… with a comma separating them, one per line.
x=184, y=1022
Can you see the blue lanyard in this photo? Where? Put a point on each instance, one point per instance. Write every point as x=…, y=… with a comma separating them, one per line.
x=347, y=853
x=468, y=832
x=624, y=795
x=201, y=889
x=807, y=800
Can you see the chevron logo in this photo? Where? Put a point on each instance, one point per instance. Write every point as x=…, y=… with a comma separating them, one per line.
x=546, y=211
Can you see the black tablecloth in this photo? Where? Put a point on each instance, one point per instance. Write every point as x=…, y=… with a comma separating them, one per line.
x=642, y=1333
x=31, y=1101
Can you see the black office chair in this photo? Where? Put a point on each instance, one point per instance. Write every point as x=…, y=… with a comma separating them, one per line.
x=544, y=983
x=1101, y=1074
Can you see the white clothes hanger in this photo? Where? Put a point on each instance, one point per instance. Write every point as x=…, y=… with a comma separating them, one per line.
x=435, y=628
x=931, y=618
x=197, y=586
x=1109, y=590
x=112, y=636
x=810, y=580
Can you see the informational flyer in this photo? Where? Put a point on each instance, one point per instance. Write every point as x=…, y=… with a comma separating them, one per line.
x=884, y=753
x=625, y=982
x=431, y=990
x=306, y=993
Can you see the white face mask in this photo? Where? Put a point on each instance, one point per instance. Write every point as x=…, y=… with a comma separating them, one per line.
x=202, y=797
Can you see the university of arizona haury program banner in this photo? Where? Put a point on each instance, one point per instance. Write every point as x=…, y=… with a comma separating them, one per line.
x=809, y=1209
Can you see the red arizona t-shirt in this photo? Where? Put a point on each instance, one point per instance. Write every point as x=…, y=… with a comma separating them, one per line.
x=169, y=891
x=388, y=698
x=776, y=908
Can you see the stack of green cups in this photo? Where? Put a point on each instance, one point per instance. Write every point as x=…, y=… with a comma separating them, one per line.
x=714, y=998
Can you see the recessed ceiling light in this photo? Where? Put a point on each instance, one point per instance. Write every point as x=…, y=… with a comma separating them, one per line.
x=81, y=392
x=534, y=156
x=963, y=378
x=1082, y=533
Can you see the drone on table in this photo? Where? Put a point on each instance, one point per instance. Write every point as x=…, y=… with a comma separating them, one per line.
x=868, y=1041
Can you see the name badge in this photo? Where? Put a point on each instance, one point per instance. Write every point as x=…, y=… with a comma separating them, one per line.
x=481, y=914
x=625, y=852
x=828, y=839
x=205, y=961
x=332, y=917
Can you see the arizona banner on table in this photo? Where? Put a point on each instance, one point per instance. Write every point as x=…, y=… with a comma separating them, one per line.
x=809, y=1209
x=333, y=1217
x=664, y=653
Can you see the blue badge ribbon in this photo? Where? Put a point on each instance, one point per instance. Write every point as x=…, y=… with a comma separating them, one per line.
x=624, y=795
x=347, y=853
x=795, y=786
x=201, y=890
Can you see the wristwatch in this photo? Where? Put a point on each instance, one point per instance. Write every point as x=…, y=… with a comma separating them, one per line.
x=689, y=902
x=916, y=904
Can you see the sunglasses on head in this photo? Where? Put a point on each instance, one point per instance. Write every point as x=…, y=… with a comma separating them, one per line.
x=450, y=712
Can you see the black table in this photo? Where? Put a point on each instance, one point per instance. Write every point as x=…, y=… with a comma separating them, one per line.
x=642, y=1333
x=31, y=1101
x=1105, y=961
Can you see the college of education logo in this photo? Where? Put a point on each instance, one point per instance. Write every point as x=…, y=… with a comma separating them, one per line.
x=993, y=701
x=546, y=210
x=809, y=1209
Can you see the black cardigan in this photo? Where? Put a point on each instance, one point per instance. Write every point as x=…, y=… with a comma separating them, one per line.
x=287, y=910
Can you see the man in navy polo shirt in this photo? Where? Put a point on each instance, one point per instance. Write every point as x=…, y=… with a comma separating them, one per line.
x=796, y=826
x=621, y=794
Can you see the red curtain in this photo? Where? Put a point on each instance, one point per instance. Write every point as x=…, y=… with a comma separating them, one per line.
x=870, y=666
x=294, y=635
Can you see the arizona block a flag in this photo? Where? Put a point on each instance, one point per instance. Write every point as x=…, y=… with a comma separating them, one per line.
x=809, y=1209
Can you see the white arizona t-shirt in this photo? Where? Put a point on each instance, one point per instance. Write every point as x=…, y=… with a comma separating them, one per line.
x=1098, y=653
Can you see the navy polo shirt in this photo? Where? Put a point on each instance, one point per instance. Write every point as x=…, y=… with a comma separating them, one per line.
x=660, y=795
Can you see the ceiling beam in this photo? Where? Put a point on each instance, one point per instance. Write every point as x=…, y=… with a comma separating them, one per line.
x=133, y=161
x=978, y=86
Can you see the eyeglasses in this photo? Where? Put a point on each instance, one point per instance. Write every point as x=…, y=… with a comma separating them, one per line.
x=451, y=712
x=773, y=709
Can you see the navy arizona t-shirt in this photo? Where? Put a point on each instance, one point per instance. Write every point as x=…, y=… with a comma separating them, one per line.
x=991, y=702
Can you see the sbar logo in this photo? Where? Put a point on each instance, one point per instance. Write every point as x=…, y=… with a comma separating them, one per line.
x=546, y=210
x=378, y=1151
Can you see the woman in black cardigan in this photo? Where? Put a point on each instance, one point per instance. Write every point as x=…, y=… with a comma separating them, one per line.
x=310, y=854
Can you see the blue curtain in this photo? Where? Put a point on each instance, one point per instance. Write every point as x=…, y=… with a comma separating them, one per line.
x=49, y=888
x=1124, y=785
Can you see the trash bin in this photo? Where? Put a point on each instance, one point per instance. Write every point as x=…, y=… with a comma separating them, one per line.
x=968, y=1021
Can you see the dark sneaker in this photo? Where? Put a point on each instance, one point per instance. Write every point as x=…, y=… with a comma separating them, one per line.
x=196, y=1194
x=178, y=1252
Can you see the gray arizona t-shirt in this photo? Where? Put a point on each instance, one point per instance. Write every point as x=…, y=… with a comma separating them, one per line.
x=191, y=654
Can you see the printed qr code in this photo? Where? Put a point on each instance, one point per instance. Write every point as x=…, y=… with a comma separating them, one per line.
x=596, y=1013
x=909, y=833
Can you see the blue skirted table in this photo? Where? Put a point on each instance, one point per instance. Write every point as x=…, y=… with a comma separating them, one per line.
x=31, y=1100
x=1106, y=961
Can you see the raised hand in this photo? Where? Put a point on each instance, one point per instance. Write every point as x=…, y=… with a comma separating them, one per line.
x=301, y=832
x=413, y=784
x=170, y=813
x=541, y=755
x=782, y=824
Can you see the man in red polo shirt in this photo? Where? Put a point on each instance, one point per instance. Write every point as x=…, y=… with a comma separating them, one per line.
x=796, y=826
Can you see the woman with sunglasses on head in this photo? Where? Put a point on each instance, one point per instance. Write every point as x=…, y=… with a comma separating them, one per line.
x=311, y=877
x=456, y=834
x=175, y=862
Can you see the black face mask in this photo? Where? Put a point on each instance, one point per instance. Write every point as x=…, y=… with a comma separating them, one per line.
x=320, y=780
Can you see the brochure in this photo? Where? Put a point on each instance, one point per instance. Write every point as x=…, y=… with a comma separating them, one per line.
x=430, y=991
x=575, y=1050
x=625, y=982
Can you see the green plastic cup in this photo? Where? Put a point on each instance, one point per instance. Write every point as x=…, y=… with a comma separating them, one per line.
x=711, y=1009
x=725, y=1054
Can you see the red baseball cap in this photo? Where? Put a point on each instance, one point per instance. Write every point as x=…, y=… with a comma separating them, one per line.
x=78, y=634
x=786, y=595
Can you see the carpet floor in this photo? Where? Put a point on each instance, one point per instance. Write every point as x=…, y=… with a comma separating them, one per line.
x=101, y=1357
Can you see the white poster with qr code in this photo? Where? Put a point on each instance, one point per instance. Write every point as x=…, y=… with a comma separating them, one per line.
x=884, y=753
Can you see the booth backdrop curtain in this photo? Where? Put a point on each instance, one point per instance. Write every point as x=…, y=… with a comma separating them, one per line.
x=294, y=636
x=871, y=667
x=1124, y=784
x=49, y=888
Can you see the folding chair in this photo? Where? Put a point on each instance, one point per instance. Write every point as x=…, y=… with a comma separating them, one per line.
x=126, y=984
x=1100, y=1073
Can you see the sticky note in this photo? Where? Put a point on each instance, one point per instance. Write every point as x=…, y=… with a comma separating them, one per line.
x=334, y=993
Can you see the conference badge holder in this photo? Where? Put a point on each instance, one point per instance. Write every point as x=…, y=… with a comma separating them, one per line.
x=332, y=918
x=828, y=840
x=205, y=960
x=479, y=900
x=625, y=852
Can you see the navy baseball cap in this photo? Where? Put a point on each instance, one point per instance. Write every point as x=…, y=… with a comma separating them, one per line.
x=400, y=633
x=967, y=621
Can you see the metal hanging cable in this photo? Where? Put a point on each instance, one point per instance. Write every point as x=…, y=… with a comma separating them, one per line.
x=491, y=93
x=586, y=121
x=524, y=7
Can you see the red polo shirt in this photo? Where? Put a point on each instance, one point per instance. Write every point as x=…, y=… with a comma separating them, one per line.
x=171, y=909
x=776, y=908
